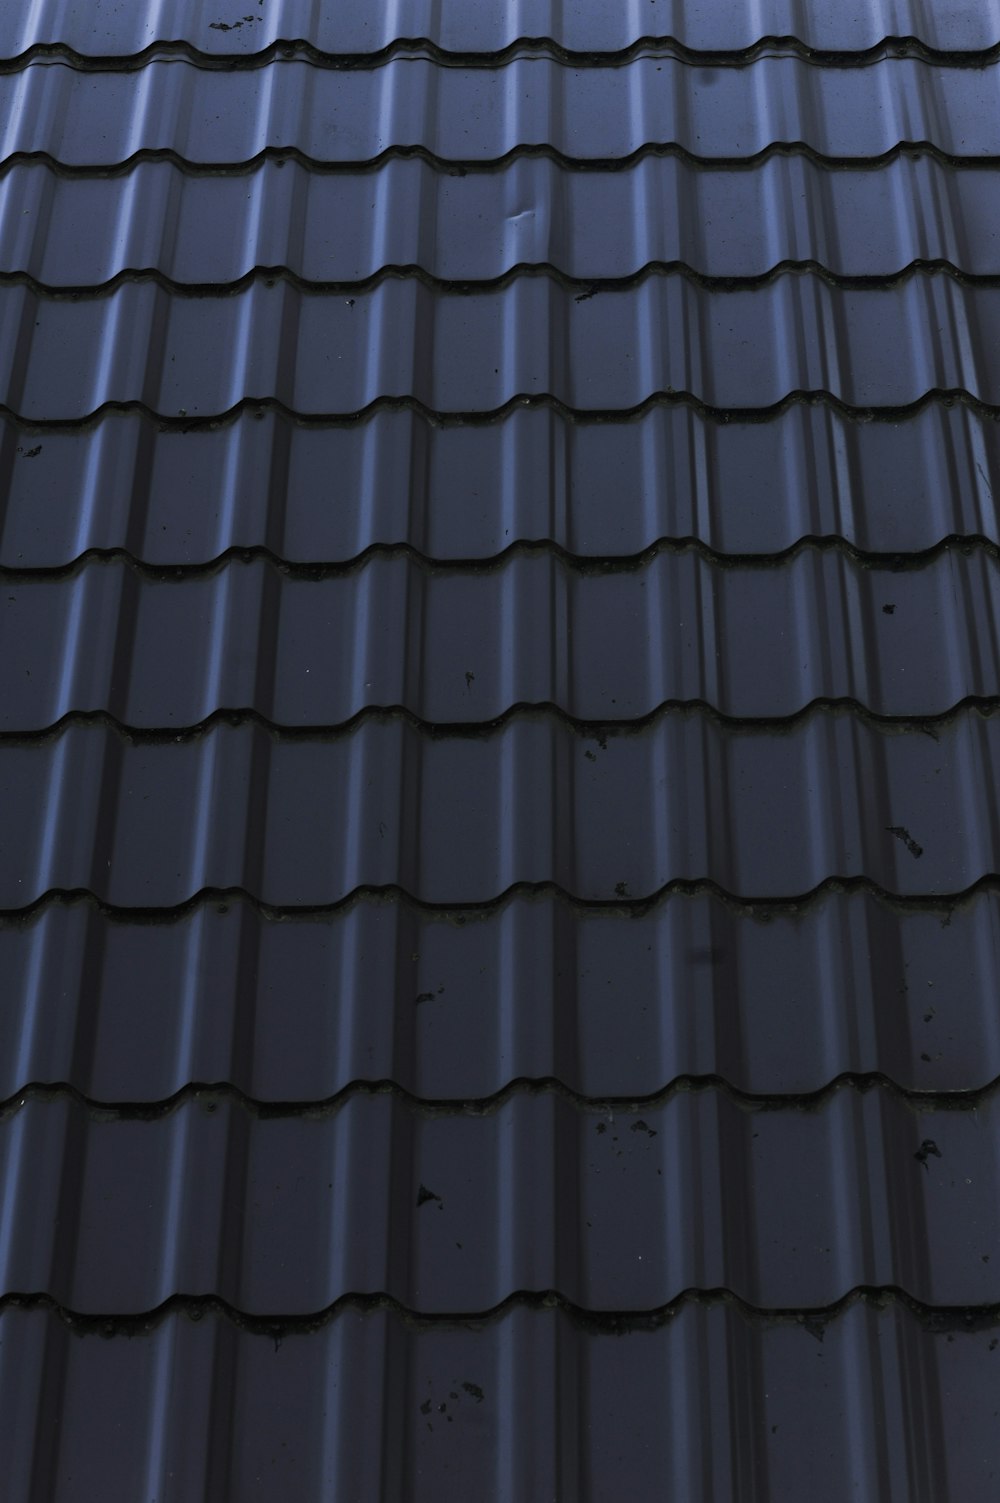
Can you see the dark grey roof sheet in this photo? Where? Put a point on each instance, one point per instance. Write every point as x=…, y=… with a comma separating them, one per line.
x=699, y=1403
x=458, y=353
x=462, y=646
x=328, y=227
x=498, y=751
x=304, y=822
x=451, y=1212
x=614, y=1001
x=109, y=28
x=182, y=494
x=479, y=116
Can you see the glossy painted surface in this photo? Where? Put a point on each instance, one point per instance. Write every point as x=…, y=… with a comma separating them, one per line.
x=462, y=646
x=476, y=116
x=462, y=819
x=176, y=495
x=109, y=29
x=330, y=227
x=531, y=1404
x=499, y=740
x=455, y=1005
x=481, y=352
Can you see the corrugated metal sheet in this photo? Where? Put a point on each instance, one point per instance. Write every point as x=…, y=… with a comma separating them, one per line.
x=303, y=822
x=612, y=1001
x=498, y=751
x=531, y=1404
x=107, y=28
x=452, y=1212
x=328, y=227
x=481, y=351
x=615, y=1001
x=172, y=494
x=479, y=116
x=464, y=647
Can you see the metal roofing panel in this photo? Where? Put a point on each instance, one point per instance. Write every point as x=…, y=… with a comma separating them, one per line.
x=617, y=1001
x=104, y=27
x=476, y=1004
x=453, y=1212
x=710, y=1401
x=478, y=115
x=601, y=815
x=328, y=227
x=463, y=645
x=477, y=352
x=182, y=495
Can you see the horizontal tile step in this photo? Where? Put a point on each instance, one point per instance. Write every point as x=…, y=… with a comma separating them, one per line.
x=612, y=488
x=480, y=115
x=326, y=227
x=457, y=1006
x=466, y=647
x=371, y=1406
x=615, y=1210
x=461, y=819
x=368, y=27
x=321, y=354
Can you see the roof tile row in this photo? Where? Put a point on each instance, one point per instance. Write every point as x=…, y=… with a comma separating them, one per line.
x=329, y=227
x=180, y=495
x=106, y=28
x=451, y=1213
x=477, y=116
x=871, y=1405
x=479, y=351
x=461, y=819
x=466, y=646
x=612, y=1002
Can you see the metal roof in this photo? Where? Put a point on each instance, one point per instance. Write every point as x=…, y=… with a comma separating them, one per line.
x=499, y=740
x=449, y=1004
x=700, y=1405
x=459, y=645
x=450, y=1212
x=170, y=492
x=481, y=351
x=321, y=226
x=478, y=116
x=305, y=821
x=110, y=30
